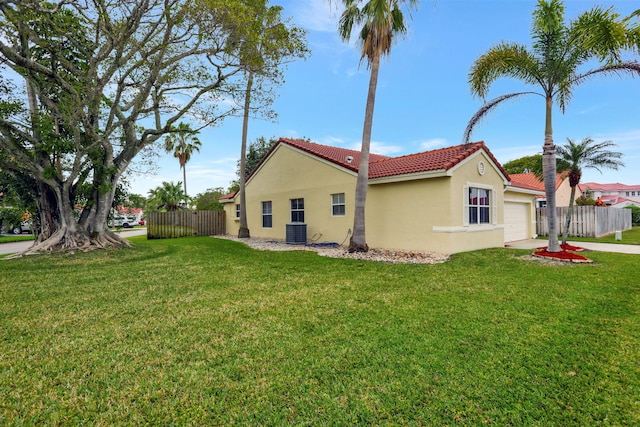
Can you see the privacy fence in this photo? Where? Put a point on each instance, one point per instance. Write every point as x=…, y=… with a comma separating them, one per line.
x=167, y=225
x=586, y=221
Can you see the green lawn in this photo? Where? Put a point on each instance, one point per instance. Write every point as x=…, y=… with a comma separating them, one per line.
x=629, y=237
x=15, y=238
x=201, y=331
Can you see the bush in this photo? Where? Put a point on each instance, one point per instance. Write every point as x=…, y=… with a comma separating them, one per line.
x=585, y=201
x=10, y=217
x=635, y=214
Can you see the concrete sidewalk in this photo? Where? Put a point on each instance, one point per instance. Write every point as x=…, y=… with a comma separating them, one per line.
x=602, y=247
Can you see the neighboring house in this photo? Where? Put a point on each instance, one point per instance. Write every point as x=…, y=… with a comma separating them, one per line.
x=134, y=216
x=615, y=195
x=563, y=189
x=447, y=200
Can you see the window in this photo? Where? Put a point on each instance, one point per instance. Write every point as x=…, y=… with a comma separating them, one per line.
x=267, y=216
x=480, y=205
x=237, y=211
x=297, y=210
x=627, y=194
x=337, y=204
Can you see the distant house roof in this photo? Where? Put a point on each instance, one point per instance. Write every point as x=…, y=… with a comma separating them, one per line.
x=594, y=186
x=125, y=210
x=529, y=180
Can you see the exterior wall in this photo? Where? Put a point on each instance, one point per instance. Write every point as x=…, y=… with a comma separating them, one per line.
x=428, y=214
x=290, y=174
x=563, y=193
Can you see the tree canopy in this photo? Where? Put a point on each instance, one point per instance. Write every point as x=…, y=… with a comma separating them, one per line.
x=88, y=84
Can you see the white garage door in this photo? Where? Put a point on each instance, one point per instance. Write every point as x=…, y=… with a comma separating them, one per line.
x=516, y=221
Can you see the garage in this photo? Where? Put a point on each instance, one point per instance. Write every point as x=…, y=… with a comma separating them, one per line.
x=516, y=221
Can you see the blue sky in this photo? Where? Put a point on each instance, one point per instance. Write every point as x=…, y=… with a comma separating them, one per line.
x=423, y=100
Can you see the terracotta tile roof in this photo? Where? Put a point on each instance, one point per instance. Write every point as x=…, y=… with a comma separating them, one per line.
x=335, y=155
x=229, y=196
x=383, y=166
x=529, y=180
x=594, y=186
x=441, y=159
x=526, y=180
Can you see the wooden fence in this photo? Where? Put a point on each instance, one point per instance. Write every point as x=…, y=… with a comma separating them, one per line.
x=166, y=225
x=586, y=221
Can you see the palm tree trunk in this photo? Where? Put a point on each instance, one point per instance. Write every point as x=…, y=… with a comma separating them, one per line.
x=549, y=176
x=184, y=178
x=358, y=242
x=565, y=231
x=243, y=232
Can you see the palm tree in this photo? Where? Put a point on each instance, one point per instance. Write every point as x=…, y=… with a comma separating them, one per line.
x=381, y=21
x=263, y=45
x=182, y=141
x=586, y=154
x=554, y=66
x=168, y=196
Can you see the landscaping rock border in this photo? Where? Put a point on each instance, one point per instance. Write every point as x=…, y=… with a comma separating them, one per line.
x=374, y=254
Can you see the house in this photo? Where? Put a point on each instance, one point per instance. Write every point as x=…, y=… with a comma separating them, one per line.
x=132, y=216
x=448, y=200
x=563, y=189
x=615, y=195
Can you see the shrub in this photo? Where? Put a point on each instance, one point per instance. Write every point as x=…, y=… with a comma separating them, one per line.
x=635, y=214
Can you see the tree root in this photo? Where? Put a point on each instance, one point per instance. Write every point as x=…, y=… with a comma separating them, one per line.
x=69, y=242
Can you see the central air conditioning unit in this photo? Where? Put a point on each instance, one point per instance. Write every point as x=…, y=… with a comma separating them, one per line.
x=296, y=233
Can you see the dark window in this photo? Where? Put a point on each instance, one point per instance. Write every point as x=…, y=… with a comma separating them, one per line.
x=237, y=211
x=297, y=210
x=267, y=215
x=478, y=206
x=337, y=204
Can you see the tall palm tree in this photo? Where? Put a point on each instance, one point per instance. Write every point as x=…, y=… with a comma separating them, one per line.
x=263, y=45
x=381, y=21
x=182, y=141
x=554, y=65
x=585, y=155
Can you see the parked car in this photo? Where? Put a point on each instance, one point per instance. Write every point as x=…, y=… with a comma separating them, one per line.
x=23, y=227
x=123, y=221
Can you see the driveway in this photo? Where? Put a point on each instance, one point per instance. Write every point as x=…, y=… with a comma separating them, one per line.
x=13, y=247
x=602, y=247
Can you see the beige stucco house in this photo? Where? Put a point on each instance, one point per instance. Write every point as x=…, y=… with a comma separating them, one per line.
x=447, y=200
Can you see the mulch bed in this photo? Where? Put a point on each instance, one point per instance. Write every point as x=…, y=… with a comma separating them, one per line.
x=567, y=254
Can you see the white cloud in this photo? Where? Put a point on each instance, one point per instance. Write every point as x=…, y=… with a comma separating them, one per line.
x=433, y=143
x=506, y=154
x=378, y=148
x=317, y=15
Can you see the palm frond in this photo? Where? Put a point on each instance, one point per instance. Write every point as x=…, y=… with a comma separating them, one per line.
x=504, y=60
x=485, y=109
x=631, y=68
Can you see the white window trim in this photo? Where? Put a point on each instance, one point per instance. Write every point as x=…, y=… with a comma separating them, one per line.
x=493, y=204
x=291, y=210
x=344, y=204
x=267, y=214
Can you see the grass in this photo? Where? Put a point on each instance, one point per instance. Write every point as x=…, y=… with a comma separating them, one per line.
x=201, y=331
x=629, y=237
x=15, y=238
